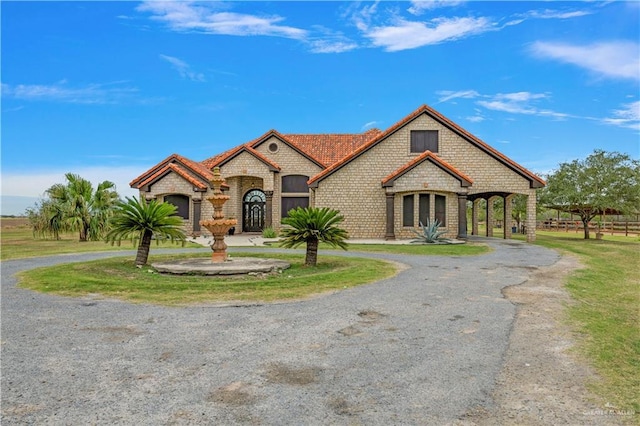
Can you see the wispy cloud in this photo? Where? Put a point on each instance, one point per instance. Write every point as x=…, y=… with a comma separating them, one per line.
x=405, y=34
x=183, y=68
x=628, y=116
x=528, y=103
x=556, y=14
x=369, y=125
x=475, y=118
x=520, y=103
x=330, y=41
x=448, y=95
x=207, y=18
x=418, y=7
x=106, y=93
x=513, y=103
x=617, y=59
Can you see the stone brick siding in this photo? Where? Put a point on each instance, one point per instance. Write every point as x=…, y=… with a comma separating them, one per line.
x=356, y=190
x=292, y=163
x=172, y=183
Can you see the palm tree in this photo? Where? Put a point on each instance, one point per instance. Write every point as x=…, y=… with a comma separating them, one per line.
x=84, y=210
x=312, y=225
x=140, y=220
x=47, y=218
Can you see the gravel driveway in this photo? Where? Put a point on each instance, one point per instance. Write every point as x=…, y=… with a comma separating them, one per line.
x=423, y=347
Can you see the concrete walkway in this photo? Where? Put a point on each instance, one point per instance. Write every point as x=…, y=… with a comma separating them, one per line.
x=423, y=347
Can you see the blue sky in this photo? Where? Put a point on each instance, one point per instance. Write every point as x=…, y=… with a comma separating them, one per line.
x=108, y=89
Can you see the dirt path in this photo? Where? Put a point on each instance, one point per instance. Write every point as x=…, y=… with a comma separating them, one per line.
x=542, y=382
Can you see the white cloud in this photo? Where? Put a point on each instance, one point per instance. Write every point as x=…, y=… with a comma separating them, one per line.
x=617, y=59
x=34, y=183
x=332, y=46
x=628, y=116
x=447, y=95
x=418, y=7
x=475, y=118
x=520, y=103
x=369, y=125
x=207, y=18
x=410, y=35
x=556, y=14
x=109, y=93
x=183, y=68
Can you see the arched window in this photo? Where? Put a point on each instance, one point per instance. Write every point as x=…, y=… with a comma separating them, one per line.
x=253, y=211
x=181, y=202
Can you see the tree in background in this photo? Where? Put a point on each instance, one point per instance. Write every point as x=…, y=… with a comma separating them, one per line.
x=604, y=180
x=140, y=220
x=47, y=218
x=84, y=210
x=311, y=226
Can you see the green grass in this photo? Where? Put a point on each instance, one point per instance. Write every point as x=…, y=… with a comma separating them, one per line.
x=17, y=242
x=118, y=278
x=468, y=249
x=606, y=316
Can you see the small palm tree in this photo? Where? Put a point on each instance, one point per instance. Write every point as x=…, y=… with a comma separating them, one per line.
x=140, y=220
x=84, y=209
x=312, y=225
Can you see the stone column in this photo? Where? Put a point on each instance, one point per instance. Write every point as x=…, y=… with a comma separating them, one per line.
x=475, y=209
x=530, y=221
x=268, y=214
x=197, y=215
x=390, y=234
x=490, y=221
x=462, y=216
x=507, y=220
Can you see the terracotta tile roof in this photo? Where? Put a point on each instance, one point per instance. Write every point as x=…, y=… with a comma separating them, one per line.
x=256, y=142
x=178, y=170
x=211, y=162
x=445, y=121
x=329, y=148
x=465, y=180
x=226, y=156
x=195, y=173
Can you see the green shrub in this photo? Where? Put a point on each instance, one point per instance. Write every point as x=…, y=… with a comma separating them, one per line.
x=269, y=232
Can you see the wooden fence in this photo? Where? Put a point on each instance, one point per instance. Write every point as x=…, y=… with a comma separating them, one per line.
x=606, y=227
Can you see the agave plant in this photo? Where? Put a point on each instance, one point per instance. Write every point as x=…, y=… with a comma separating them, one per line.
x=430, y=233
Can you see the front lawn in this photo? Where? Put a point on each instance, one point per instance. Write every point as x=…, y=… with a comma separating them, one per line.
x=17, y=242
x=118, y=278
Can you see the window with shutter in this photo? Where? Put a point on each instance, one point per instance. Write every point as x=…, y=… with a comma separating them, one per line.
x=407, y=210
x=181, y=202
x=441, y=209
x=424, y=140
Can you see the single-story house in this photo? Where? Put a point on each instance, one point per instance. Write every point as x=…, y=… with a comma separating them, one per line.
x=383, y=182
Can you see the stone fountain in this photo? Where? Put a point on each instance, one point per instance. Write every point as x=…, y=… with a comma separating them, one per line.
x=220, y=264
x=218, y=226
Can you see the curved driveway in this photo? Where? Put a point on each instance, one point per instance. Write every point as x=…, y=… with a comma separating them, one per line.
x=423, y=347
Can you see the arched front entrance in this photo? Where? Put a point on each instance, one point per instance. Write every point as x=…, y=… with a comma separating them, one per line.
x=253, y=211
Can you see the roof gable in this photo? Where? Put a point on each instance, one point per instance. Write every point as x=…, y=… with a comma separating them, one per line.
x=188, y=169
x=465, y=181
x=286, y=140
x=222, y=159
x=535, y=181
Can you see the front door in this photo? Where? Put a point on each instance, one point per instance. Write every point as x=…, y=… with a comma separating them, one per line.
x=253, y=211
